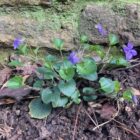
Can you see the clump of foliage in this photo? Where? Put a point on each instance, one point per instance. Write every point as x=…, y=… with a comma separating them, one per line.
x=58, y=79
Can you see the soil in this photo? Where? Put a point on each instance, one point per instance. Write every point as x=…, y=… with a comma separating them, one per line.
x=70, y=124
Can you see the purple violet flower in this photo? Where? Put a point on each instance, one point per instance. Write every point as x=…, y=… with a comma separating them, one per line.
x=73, y=58
x=17, y=43
x=135, y=99
x=101, y=30
x=129, y=51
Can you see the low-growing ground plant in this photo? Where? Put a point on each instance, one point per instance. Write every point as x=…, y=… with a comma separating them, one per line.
x=59, y=79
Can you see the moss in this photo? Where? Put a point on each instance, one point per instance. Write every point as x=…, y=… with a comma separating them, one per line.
x=59, y=15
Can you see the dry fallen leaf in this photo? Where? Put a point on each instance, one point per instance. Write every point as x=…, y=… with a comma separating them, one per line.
x=17, y=94
x=7, y=101
x=4, y=75
x=135, y=91
x=107, y=111
x=28, y=69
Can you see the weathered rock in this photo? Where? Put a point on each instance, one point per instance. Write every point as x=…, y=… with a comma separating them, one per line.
x=123, y=20
x=26, y=2
x=33, y=24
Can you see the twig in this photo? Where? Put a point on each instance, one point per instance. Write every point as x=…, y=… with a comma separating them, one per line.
x=129, y=67
x=91, y=118
x=74, y=132
x=95, y=118
x=124, y=127
x=116, y=114
x=128, y=130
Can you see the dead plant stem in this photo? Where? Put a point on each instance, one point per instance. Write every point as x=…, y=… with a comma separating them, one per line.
x=76, y=121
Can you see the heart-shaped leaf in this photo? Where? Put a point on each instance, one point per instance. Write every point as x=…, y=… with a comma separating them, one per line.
x=38, y=109
x=91, y=77
x=87, y=67
x=75, y=97
x=15, y=63
x=38, y=84
x=113, y=39
x=48, y=95
x=60, y=102
x=90, y=92
x=46, y=73
x=50, y=60
x=107, y=85
x=66, y=71
x=67, y=88
x=58, y=43
x=127, y=95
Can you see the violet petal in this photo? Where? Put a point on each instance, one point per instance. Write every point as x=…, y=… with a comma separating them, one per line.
x=130, y=45
x=134, y=52
x=128, y=55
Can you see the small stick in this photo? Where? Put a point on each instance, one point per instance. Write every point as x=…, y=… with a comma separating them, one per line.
x=116, y=114
x=130, y=131
x=129, y=67
x=95, y=118
x=76, y=121
x=91, y=118
x=124, y=127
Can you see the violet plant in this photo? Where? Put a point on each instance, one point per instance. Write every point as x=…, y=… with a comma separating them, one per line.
x=58, y=78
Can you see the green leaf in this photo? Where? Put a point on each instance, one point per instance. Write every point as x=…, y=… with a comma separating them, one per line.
x=15, y=63
x=38, y=84
x=83, y=39
x=51, y=58
x=119, y=61
x=98, y=49
x=117, y=86
x=66, y=72
x=46, y=72
x=58, y=43
x=87, y=67
x=127, y=95
x=67, y=88
x=60, y=102
x=90, y=92
x=58, y=65
x=23, y=49
x=122, y=61
x=15, y=82
x=48, y=95
x=39, y=110
x=90, y=98
x=53, y=96
x=107, y=85
x=113, y=39
x=75, y=97
x=91, y=77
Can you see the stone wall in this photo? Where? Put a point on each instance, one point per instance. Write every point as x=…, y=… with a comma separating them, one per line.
x=32, y=20
x=29, y=19
x=121, y=19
